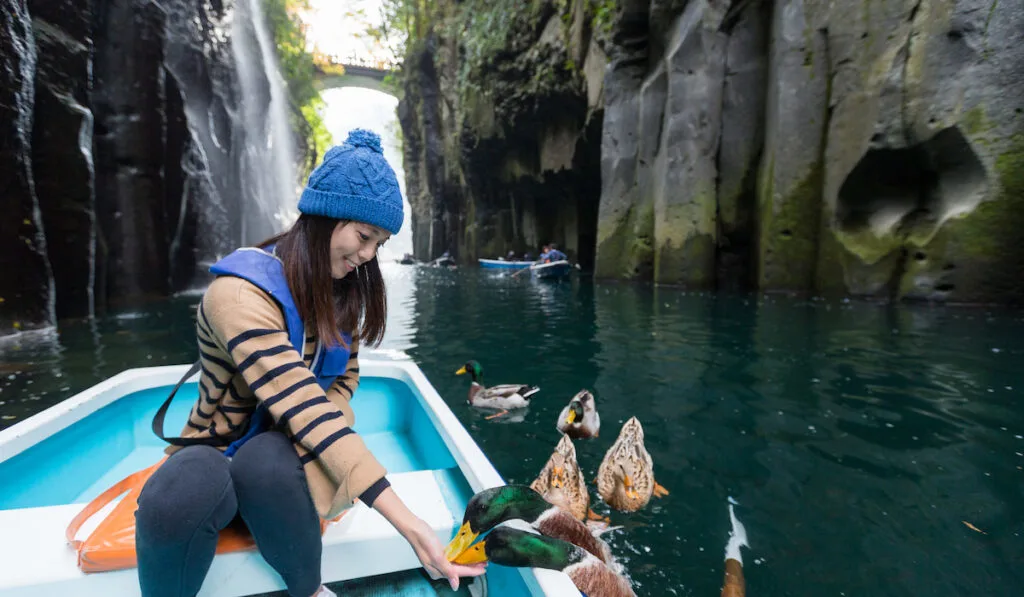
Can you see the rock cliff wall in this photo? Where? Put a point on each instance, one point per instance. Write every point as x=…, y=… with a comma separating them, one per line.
x=501, y=129
x=869, y=148
x=123, y=154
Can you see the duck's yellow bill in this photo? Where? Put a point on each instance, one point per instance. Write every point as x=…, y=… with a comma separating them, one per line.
x=462, y=540
x=460, y=371
x=473, y=555
x=631, y=492
x=571, y=418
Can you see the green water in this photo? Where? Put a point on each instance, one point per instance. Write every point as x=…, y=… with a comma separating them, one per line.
x=856, y=438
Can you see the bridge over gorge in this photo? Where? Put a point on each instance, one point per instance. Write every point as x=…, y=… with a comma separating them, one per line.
x=334, y=71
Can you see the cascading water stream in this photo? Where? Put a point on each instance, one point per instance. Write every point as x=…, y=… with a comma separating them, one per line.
x=269, y=184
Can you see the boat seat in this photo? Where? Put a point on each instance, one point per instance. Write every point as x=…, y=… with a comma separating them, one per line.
x=361, y=544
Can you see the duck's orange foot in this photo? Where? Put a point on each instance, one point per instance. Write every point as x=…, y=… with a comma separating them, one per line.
x=496, y=415
x=659, y=491
x=591, y=515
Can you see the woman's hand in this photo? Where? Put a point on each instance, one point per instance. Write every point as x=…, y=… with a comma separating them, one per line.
x=430, y=551
x=424, y=542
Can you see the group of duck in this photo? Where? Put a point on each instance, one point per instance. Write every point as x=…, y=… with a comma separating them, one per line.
x=564, y=533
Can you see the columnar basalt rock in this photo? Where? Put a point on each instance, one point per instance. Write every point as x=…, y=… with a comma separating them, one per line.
x=806, y=146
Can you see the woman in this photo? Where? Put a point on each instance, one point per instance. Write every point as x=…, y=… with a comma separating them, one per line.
x=278, y=333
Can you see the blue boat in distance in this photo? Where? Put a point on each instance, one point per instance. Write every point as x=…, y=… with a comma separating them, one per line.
x=502, y=264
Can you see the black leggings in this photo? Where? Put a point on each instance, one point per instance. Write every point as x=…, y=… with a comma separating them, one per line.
x=198, y=491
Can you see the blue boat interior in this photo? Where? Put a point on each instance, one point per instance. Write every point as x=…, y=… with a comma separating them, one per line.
x=78, y=463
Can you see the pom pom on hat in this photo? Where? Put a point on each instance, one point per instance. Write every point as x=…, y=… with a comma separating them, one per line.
x=355, y=182
x=364, y=138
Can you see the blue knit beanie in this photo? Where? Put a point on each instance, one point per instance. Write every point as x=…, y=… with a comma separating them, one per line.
x=355, y=182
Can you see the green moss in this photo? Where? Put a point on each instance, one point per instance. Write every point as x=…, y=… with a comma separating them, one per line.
x=988, y=19
x=478, y=109
x=686, y=239
x=994, y=228
x=974, y=122
x=624, y=248
x=789, y=231
x=639, y=253
x=868, y=247
x=604, y=12
x=692, y=264
x=928, y=269
x=984, y=247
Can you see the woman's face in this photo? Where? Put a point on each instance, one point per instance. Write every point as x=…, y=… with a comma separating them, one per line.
x=353, y=244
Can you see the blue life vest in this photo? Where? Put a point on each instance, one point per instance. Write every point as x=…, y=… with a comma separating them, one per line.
x=263, y=269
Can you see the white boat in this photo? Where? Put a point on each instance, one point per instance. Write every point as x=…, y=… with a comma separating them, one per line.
x=552, y=270
x=56, y=461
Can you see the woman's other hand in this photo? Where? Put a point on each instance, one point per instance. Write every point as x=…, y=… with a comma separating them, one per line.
x=424, y=542
x=430, y=551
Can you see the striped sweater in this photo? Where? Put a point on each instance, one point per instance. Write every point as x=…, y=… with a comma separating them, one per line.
x=246, y=357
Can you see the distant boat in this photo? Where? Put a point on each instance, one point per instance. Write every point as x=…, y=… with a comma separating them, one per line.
x=502, y=264
x=551, y=271
x=443, y=261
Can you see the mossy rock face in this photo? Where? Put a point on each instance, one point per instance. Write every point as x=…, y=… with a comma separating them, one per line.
x=986, y=246
x=975, y=256
x=692, y=265
x=625, y=252
x=790, y=224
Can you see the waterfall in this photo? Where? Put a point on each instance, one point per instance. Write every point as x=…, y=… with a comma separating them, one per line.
x=270, y=189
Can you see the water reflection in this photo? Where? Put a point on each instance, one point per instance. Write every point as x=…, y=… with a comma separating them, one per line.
x=400, y=281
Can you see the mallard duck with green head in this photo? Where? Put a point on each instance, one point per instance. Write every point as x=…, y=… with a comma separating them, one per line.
x=512, y=547
x=502, y=397
x=579, y=418
x=491, y=507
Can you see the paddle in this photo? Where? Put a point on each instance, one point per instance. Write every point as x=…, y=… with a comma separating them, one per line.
x=525, y=269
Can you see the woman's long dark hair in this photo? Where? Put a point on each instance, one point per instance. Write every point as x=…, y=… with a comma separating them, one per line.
x=356, y=304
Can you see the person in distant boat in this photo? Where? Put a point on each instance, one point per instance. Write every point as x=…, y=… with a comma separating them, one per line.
x=510, y=256
x=554, y=254
x=273, y=445
x=544, y=251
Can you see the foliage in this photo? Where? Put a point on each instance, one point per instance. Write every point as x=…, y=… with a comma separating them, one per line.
x=323, y=63
x=319, y=135
x=298, y=67
x=403, y=22
x=604, y=15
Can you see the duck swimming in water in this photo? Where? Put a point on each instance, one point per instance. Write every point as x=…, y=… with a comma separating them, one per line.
x=491, y=507
x=561, y=481
x=512, y=547
x=625, y=478
x=579, y=418
x=502, y=397
x=734, y=585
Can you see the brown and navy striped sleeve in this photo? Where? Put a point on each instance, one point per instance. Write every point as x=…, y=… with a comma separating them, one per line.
x=248, y=325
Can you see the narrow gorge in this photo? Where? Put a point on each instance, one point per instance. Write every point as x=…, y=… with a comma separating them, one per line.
x=128, y=156
x=866, y=148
